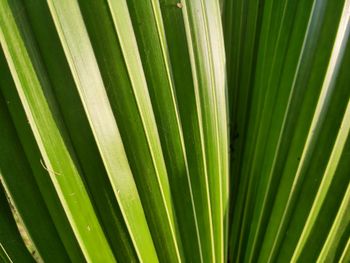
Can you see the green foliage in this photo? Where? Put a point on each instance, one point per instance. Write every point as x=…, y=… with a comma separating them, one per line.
x=175, y=131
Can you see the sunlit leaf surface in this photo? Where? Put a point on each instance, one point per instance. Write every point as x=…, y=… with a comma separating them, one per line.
x=175, y=131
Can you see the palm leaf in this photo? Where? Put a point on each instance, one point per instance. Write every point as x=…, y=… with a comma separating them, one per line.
x=292, y=115
x=56, y=156
x=175, y=131
x=12, y=247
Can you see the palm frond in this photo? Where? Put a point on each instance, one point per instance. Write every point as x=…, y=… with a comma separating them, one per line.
x=175, y=131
